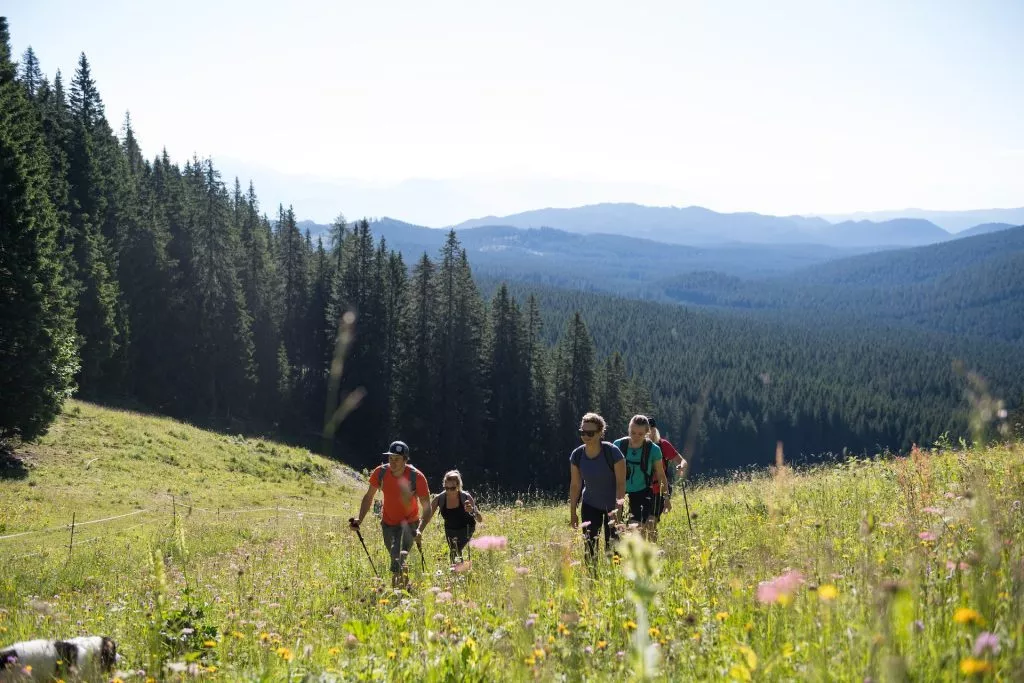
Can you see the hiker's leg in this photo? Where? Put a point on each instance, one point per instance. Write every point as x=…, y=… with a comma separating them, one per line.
x=611, y=534
x=592, y=519
x=457, y=540
x=393, y=542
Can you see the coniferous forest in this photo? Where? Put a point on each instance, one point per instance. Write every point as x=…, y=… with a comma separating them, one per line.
x=159, y=284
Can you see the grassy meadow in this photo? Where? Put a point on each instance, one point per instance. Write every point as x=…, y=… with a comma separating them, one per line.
x=225, y=558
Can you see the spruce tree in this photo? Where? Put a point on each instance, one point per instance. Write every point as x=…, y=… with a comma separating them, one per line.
x=37, y=343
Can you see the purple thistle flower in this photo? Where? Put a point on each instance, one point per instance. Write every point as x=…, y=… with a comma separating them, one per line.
x=986, y=642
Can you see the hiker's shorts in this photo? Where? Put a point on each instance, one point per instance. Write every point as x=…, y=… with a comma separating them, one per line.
x=399, y=540
x=641, y=506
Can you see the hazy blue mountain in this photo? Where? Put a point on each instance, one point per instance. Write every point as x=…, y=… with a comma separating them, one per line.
x=953, y=221
x=695, y=225
x=984, y=228
x=972, y=286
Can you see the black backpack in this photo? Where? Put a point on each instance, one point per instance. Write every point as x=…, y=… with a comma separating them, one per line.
x=645, y=458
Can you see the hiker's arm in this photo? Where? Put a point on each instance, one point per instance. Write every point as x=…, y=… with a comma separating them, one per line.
x=620, y=486
x=659, y=471
x=473, y=509
x=575, y=488
x=364, y=506
x=428, y=512
x=683, y=468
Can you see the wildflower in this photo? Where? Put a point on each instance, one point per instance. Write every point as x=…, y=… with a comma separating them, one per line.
x=986, y=642
x=284, y=653
x=529, y=661
x=966, y=615
x=392, y=654
x=653, y=632
x=748, y=627
x=264, y=637
x=551, y=639
x=927, y=536
x=828, y=592
x=584, y=525
x=116, y=680
x=539, y=653
x=522, y=570
x=971, y=666
x=434, y=590
x=471, y=643
x=210, y=643
x=932, y=510
x=602, y=644
x=563, y=630
x=489, y=543
x=351, y=641
x=529, y=623
x=211, y=669
x=383, y=601
x=588, y=650
x=779, y=589
x=629, y=625
x=461, y=567
x=519, y=503
x=962, y=566
x=334, y=651
x=721, y=616
x=237, y=634
x=680, y=611
x=444, y=596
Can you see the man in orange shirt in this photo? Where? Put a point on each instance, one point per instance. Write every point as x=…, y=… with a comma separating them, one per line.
x=402, y=484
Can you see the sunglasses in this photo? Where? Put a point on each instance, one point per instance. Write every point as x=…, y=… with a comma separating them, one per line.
x=588, y=432
x=451, y=488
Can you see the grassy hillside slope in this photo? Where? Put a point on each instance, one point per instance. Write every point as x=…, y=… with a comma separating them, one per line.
x=888, y=567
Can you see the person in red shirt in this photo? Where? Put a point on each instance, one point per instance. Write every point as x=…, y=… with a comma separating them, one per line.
x=405, y=493
x=675, y=465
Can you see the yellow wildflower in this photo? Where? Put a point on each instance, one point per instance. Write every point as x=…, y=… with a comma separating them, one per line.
x=210, y=643
x=973, y=667
x=966, y=615
x=285, y=654
x=392, y=654
x=539, y=653
x=237, y=634
x=563, y=630
x=529, y=661
x=383, y=601
x=721, y=616
x=828, y=592
x=211, y=669
x=629, y=625
x=602, y=644
x=404, y=636
x=653, y=632
x=334, y=651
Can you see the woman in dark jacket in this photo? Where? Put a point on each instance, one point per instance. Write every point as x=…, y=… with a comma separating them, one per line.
x=460, y=514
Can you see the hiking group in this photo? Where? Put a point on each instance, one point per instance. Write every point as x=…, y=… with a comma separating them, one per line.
x=638, y=469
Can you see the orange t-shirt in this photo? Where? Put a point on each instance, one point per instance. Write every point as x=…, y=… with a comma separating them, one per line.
x=399, y=505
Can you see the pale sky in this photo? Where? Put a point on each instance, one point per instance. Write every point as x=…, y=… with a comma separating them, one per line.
x=436, y=112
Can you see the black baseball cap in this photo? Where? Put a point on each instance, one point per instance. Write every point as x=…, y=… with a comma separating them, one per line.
x=398, y=448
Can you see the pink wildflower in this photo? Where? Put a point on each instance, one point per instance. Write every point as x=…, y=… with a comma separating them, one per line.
x=986, y=642
x=927, y=536
x=463, y=566
x=489, y=543
x=444, y=596
x=779, y=589
x=585, y=524
x=932, y=510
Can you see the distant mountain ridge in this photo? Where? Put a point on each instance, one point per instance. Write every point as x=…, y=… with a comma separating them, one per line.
x=696, y=225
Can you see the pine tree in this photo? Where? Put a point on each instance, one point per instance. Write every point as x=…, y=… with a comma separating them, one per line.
x=508, y=407
x=37, y=343
x=613, y=401
x=31, y=73
x=96, y=284
x=419, y=365
x=574, y=380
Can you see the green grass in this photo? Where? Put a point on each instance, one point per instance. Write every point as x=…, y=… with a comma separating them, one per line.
x=269, y=594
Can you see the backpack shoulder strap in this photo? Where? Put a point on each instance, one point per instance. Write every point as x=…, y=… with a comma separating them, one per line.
x=645, y=460
x=607, y=456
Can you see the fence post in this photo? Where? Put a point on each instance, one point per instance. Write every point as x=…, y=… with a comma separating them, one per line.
x=71, y=543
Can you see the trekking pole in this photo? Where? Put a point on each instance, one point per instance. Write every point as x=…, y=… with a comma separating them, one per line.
x=686, y=504
x=360, y=535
